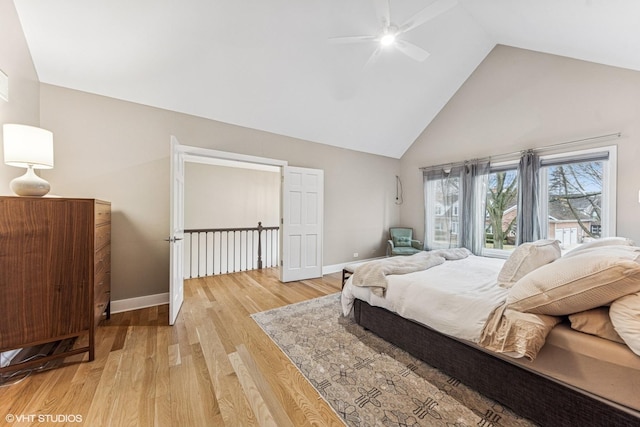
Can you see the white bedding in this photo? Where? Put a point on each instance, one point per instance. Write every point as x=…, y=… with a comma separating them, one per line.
x=454, y=298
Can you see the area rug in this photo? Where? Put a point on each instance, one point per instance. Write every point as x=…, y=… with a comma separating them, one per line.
x=368, y=381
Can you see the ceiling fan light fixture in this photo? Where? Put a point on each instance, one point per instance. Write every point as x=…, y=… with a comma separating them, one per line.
x=388, y=39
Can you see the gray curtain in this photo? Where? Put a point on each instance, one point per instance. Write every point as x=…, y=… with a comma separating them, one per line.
x=528, y=218
x=475, y=175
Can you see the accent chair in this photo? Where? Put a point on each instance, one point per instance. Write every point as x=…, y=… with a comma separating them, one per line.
x=401, y=242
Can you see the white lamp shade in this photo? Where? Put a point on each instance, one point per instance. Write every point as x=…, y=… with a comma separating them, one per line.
x=27, y=145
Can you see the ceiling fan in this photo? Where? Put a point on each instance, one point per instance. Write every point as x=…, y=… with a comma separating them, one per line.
x=390, y=35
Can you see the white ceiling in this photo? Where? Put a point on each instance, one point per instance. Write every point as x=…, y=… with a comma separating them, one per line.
x=268, y=65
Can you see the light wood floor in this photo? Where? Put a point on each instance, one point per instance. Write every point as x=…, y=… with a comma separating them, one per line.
x=215, y=367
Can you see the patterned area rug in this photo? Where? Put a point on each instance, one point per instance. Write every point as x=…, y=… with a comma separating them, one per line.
x=368, y=381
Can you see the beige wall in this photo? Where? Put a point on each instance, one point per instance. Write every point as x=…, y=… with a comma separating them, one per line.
x=518, y=99
x=24, y=89
x=227, y=197
x=118, y=151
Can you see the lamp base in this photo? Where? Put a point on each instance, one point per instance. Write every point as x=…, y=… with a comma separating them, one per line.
x=30, y=184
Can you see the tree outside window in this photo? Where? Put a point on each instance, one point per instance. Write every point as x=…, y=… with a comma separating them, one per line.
x=501, y=205
x=575, y=201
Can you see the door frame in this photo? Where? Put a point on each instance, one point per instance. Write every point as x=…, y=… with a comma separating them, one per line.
x=209, y=156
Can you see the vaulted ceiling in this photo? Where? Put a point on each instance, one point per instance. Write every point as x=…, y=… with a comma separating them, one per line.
x=269, y=65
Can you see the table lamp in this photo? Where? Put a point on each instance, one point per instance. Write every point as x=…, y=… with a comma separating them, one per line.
x=32, y=148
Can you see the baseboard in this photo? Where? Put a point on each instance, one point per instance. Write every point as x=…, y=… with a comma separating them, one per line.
x=336, y=268
x=139, y=302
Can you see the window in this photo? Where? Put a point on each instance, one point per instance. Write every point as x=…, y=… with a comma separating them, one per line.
x=578, y=196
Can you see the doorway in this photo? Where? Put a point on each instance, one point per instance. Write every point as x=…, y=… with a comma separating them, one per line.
x=232, y=217
x=301, y=213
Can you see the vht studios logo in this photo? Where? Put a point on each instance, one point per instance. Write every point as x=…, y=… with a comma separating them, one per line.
x=43, y=418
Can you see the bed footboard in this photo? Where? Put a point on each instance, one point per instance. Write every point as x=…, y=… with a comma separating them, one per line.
x=540, y=399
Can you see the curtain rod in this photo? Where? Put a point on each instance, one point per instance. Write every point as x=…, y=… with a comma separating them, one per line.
x=545, y=148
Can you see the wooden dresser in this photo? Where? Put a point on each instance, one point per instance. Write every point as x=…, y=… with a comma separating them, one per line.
x=55, y=284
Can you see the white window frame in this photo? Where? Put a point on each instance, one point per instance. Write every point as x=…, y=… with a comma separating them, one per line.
x=609, y=186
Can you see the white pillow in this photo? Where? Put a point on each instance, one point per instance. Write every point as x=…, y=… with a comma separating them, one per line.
x=526, y=258
x=605, y=241
x=625, y=316
x=584, y=281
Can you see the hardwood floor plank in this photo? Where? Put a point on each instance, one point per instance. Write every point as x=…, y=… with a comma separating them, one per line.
x=265, y=391
x=162, y=362
x=259, y=407
x=174, y=355
x=206, y=392
x=102, y=404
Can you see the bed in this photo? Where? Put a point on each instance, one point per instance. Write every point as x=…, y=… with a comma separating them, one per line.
x=564, y=378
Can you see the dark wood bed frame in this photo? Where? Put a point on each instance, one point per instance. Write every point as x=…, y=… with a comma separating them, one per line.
x=531, y=395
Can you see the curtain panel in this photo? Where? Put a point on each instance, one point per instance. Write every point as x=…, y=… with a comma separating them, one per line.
x=528, y=216
x=474, y=189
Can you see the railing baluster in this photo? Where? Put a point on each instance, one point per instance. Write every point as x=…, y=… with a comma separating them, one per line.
x=259, y=246
x=190, y=256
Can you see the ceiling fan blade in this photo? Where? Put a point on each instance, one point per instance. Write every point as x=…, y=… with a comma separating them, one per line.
x=434, y=9
x=373, y=58
x=383, y=12
x=411, y=50
x=352, y=39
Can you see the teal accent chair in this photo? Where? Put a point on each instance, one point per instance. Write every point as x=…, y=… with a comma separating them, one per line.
x=401, y=242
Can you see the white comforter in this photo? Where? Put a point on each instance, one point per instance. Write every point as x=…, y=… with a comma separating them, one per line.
x=454, y=298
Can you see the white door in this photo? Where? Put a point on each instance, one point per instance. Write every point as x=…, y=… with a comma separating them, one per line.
x=176, y=232
x=302, y=218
